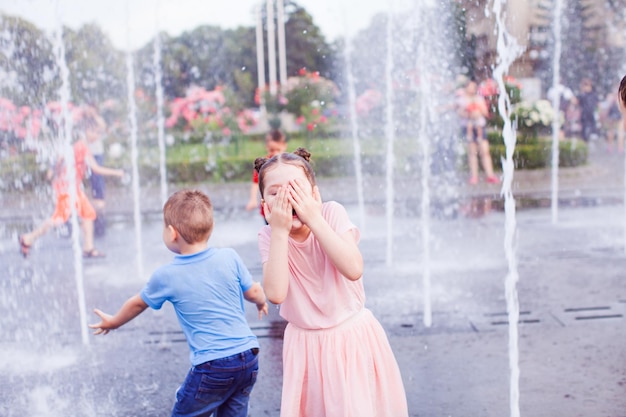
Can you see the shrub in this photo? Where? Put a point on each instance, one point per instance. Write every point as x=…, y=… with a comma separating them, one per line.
x=539, y=154
x=187, y=163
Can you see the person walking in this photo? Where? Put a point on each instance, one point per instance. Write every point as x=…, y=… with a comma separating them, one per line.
x=83, y=160
x=588, y=102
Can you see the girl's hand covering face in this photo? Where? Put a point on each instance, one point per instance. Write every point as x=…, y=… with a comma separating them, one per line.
x=305, y=200
x=280, y=213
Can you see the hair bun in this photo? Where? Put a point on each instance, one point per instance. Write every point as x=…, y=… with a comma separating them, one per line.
x=258, y=163
x=303, y=153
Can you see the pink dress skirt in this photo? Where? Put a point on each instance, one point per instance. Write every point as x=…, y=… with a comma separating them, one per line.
x=345, y=371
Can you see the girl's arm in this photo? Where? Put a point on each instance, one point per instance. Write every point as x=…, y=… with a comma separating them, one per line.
x=276, y=269
x=482, y=105
x=342, y=250
x=252, y=201
x=99, y=169
x=133, y=307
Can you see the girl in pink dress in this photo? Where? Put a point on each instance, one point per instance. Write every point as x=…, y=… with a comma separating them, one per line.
x=337, y=361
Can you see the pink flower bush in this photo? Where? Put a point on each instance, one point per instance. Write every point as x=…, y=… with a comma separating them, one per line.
x=203, y=111
x=19, y=122
x=367, y=101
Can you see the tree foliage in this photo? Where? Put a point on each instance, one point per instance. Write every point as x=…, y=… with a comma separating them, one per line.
x=97, y=70
x=306, y=46
x=27, y=68
x=206, y=56
x=209, y=56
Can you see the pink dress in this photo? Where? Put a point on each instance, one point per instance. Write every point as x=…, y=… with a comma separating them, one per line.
x=337, y=361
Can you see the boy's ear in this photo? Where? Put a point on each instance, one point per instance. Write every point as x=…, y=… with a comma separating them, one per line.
x=172, y=232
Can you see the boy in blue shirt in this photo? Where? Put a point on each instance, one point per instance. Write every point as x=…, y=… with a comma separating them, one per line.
x=207, y=287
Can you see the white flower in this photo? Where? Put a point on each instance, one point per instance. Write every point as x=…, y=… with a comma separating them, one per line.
x=116, y=150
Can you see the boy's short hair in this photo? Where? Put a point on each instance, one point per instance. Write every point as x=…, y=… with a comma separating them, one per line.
x=190, y=212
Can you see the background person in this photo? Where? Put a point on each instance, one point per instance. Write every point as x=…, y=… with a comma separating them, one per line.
x=275, y=143
x=621, y=93
x=62, y=211
x=588, y=102
x=611, y=119
x=470, y=105
x=94, y=135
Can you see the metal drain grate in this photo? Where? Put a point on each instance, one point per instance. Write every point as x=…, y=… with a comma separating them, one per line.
x=493, y=321
x=565, y=317
x=591, y=313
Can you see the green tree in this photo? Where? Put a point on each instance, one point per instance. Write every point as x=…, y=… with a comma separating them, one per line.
x=27, y=65
x=306, y=45
x=97, y=70
x=208, y=56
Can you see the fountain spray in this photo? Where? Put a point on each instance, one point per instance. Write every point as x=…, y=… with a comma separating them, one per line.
x=508, y=50
x=556, y=101
x=424, y=141
x=158, y=78
x=390, y=136
x=355, y=134
x=68, y=154
x=132, y=120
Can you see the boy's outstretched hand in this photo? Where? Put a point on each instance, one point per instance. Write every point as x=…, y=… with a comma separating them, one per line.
x=262, y=309
x=131, y=309
x=105, y=325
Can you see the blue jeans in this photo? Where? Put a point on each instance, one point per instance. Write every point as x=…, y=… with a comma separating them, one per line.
x=221, y=386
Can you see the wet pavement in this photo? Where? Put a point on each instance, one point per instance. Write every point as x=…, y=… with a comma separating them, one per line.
x=571, y=288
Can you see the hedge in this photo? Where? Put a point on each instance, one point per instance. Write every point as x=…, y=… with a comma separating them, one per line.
x=331, y=158
x=539, y=155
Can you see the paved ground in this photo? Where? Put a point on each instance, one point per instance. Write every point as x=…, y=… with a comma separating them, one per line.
x=571, y=293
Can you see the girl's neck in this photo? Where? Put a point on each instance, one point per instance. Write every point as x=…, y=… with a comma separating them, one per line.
x=301, y=234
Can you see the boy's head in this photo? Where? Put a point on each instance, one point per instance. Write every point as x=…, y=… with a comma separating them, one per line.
x=275, y=143
x=190, y=212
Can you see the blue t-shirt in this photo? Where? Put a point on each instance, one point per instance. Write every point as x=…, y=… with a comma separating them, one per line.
x=206, y=290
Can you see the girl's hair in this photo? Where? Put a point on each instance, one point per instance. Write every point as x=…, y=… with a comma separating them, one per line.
x=300, y=157
x=622, y=91
x=190, y=212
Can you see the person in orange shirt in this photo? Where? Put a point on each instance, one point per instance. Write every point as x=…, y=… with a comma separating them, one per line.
x=83, y=159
